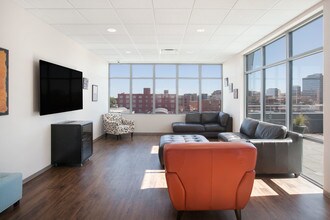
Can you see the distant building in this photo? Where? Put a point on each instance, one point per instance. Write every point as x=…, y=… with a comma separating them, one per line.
x=313, y=87
x=296, y=91
x=273, y=92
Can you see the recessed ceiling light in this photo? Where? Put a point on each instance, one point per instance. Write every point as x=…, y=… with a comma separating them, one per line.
x=111, y=30
x=200, y=30
x=128, y=52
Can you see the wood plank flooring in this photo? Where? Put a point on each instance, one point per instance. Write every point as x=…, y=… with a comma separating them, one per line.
x=123, y=180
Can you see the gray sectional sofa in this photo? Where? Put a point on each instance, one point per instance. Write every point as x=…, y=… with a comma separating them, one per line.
x=208, y=124
x=279, y=150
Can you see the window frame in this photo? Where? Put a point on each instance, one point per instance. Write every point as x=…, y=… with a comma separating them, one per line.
x=176, y=78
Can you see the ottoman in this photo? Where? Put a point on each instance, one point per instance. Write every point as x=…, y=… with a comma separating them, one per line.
x=176, y=138
x=10, y=189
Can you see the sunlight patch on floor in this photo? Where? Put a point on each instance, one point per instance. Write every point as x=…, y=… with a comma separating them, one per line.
x=154, y=149
x=295, y=186
x=260, y=188
x=154, y=179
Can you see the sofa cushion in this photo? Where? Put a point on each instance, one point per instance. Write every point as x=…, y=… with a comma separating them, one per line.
x=209, y=117
x=249, y=127
x=223, y=119
x=187, y=127
x=193, y=118
x=270, y=131
x=232, y=137
x=214, y=127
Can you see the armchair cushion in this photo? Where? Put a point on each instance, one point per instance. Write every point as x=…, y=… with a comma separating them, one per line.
x=249, y=127
x=270, y=131
x=115, y=124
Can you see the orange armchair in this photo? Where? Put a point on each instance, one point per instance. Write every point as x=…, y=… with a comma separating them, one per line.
x=210, y=176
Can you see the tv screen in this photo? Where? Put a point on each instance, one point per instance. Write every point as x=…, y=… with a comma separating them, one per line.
x=60, y=88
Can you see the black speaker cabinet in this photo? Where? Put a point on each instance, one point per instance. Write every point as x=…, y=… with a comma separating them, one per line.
x=72, y=142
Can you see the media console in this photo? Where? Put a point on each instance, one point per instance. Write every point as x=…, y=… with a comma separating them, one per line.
x=71, y=142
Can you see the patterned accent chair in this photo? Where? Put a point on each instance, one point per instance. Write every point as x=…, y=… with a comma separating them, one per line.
x=115, y=124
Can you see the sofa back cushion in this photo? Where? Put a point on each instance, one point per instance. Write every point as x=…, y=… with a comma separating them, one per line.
x=223, y=119
x=194, y=118
x=210, y=117
x=249, y=127
x=270, y=131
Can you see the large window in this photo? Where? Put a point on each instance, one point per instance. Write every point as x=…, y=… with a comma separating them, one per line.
x=270, y=74
x=287, y=88
x=165, y=88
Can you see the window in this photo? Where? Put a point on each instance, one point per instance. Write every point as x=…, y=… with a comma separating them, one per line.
x=119, y=92
x=188, y=95
x=307, y=92
x=165, y=88
x=287, y=88
x=275, y=94
x=308, y=37
x=253, y=60
x=253, y=95
x=275, y=51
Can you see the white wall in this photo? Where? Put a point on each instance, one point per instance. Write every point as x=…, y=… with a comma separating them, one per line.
x=145, y=123
x=326, y=98
x=233, y=69
x=24, y=134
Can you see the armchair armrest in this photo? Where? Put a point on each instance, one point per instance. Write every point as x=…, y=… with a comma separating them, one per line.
x=271, y=141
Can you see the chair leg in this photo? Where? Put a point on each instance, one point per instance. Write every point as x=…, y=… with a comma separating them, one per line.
x=117, y=137
x=16, y=203
x=179, y=215
x=132, y=136
x=238, y=214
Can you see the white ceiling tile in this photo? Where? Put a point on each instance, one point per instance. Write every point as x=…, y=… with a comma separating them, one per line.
x=102, y=29
x=238, y=17
x=226, y=4
x=59, y=16
x=49, y=3
x=104, y=51
x=193, y=39
x=222, y=39
x=136, y=16
x=76, y=29
x=170, y=29
x=100, y=16
x=98, y=46
x=88, y=39
x=208, y=29
x=118, y=39
x=146, y=46
x=189, y=46
x=170, y=39
x=255, y=4
x=125, y=46
x=208, y=16
x=141, y=29
x=90, y=4
x=24, y=4
x=147, y=52
x=132, y=4
x=144, y=39
x=173, y=3
x=231, y=29
x=260, y=30
x=295, y=4
x=276, y=17
x=172, y=16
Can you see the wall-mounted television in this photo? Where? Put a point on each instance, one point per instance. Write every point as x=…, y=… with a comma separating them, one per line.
x=60, y=88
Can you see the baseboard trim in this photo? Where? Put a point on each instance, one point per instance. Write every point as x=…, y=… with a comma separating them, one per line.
x=37, y=174
x=98, y=138
x=326, y=193
x=151, y=134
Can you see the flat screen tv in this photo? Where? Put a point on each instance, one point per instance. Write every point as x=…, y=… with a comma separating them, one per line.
x=60, y=89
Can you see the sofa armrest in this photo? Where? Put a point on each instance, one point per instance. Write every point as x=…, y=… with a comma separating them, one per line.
x=229, y=127
x=271, y=141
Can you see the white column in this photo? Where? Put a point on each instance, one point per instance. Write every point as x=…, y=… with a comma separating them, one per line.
x=326, y=97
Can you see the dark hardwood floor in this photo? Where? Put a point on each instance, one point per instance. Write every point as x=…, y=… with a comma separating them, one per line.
x=123, y=180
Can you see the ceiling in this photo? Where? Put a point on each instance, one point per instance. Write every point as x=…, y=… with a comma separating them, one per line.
x=202, y=31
